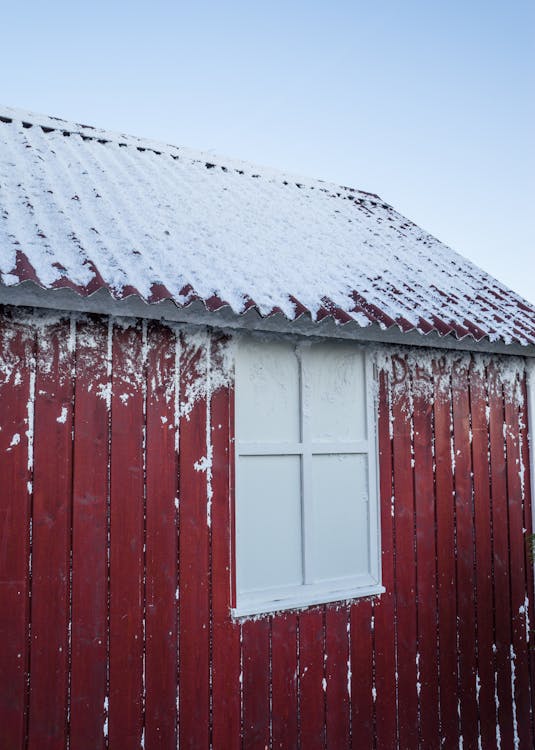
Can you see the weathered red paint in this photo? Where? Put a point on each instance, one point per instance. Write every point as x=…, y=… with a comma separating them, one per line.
x=426, y=571
x=51, y=541
x=518, y=569
x=15, y=514
x=483, y=543
x=384, y=652
x=194, y=562
x=362, y=703
x=256, y=638
x=126, y=540
x=89, y=539
x=453, y=551
x=405, y=585
x=226, y=669
x=500, y=527
x=284, y=656
x=337, y=643
x=464, y=535
x=445, y=523
x=311, y=675
x=528, y=524
x=161, y=575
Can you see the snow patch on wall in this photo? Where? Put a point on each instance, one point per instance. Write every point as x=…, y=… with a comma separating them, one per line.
x=63, y=416
x=17, y=358
x=203, y=464
x=106, y=714
x=512, y=657
x=430, y=371
x=30, y=411
x=202, y=374
x=524, y=611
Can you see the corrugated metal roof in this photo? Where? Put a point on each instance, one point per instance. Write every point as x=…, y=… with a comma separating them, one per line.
x=86, y=209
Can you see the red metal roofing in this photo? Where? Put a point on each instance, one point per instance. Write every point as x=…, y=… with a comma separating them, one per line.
x=86, y=209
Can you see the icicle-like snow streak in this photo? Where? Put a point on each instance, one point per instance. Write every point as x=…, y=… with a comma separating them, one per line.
x=106, y=394
x=461, y=739
x=30, y=424
x=348, y=630
x=176, y=419
x=62, y=419
x=176, y=392
x=205, y=377
x=512, y=657
x=106, y=716
x=372, y=630
x=175, y=385
x=521, y=467
x=240, y=679
x=524, y=610
x=209, y=491
x=478, y=688
x=144, y=391
x=198, y=385
x=104, y=390
x=497, y=703
x=30, y=412
x=390, y=397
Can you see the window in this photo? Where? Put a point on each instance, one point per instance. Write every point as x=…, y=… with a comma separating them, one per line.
x=307, y=510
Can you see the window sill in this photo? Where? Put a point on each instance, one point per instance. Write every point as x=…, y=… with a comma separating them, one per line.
x=303, y=600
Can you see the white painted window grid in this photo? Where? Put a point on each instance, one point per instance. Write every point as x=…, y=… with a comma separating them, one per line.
x=311, y=591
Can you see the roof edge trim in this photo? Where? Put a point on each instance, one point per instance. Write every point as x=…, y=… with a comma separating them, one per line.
x=29, y=294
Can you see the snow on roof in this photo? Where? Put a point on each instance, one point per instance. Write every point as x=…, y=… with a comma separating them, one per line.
x=87, y=209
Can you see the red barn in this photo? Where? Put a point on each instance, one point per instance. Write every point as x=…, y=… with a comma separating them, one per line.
x=264, y=462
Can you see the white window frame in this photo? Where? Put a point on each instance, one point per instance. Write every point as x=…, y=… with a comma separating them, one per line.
x=310, y=594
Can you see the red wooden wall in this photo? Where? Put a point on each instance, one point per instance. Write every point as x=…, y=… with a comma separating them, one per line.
x=116, y=564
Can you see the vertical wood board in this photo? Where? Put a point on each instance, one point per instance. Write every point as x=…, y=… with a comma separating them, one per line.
x=90, y=588
x=127, y=539
x=17, y=393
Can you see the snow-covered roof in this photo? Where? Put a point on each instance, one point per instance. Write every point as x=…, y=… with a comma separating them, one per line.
x=87, y=209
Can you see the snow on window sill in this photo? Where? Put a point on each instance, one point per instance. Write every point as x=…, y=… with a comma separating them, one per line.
x=253, y=606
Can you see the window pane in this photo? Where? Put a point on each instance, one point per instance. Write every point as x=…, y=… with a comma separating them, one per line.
x=268, y=522
x=267, y=392
x=339, y=516
x=335, y=378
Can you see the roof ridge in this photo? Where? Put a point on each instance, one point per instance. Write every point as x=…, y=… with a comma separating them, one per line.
x=210, y=160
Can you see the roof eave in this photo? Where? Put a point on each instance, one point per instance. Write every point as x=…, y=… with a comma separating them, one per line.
x=29, y=294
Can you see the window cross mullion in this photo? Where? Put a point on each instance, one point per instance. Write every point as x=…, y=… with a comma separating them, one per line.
x=359, y=446
x=269, y=449
x=306, y=472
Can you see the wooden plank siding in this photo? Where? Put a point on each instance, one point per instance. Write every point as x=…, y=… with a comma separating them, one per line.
x=117, y=561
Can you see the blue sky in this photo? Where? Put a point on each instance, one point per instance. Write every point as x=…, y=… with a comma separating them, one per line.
x=429, y=104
